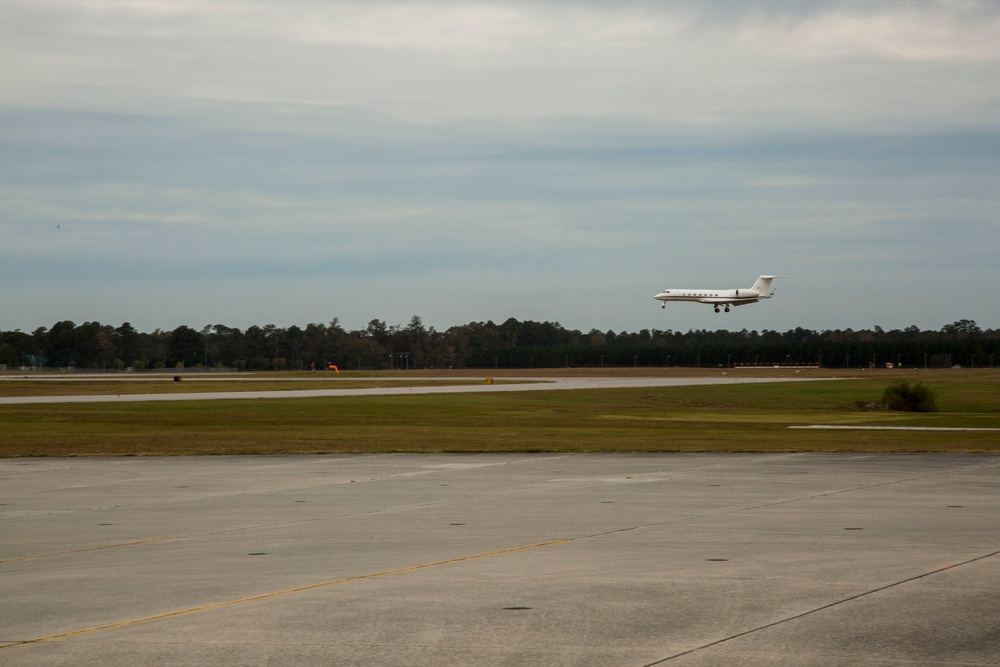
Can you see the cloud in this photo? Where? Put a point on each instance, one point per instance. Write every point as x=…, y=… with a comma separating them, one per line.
x=512, y=62
x=551, y=160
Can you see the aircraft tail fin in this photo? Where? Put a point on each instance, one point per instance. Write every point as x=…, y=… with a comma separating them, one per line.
x=763, y=284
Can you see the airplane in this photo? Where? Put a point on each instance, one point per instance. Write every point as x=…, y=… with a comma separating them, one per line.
x=722, y=297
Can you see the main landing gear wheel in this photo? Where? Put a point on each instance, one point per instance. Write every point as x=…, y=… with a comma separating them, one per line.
x=716, y=309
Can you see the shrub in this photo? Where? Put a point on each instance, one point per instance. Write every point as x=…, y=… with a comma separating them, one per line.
x=909, y=396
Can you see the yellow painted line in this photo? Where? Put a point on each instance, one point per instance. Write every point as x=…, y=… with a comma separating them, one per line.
x=274, y=594
x=86, y=549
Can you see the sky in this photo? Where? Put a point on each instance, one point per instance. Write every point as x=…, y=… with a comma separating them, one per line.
x=200, y=162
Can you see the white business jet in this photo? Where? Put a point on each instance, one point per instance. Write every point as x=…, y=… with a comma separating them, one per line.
x=722, y=297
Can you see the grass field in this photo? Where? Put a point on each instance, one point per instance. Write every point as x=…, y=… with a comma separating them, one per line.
x=725, y=418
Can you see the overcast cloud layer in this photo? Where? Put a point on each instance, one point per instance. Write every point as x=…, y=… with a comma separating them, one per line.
x=273, y=161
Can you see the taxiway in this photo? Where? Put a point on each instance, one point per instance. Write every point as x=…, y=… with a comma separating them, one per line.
x=535, y=560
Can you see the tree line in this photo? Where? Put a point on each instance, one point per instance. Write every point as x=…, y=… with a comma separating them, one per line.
x=512, y=344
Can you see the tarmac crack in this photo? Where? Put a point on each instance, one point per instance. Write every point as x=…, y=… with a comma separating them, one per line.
x=824, y=607
x=104, y=547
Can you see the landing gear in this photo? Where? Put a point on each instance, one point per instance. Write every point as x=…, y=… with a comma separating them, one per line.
x=717, y=309
x=727, y=309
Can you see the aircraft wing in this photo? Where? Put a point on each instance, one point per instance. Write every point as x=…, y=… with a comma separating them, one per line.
x=740, y=302
x=728, y=302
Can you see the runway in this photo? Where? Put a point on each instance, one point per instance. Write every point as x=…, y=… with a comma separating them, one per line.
x=516, y=384
x=547, y=559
